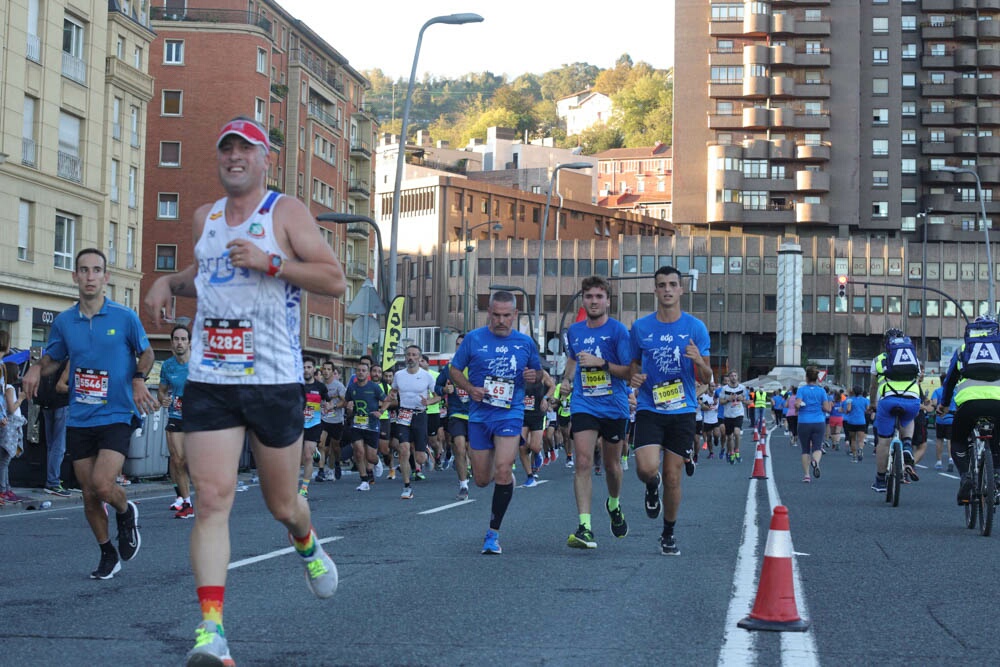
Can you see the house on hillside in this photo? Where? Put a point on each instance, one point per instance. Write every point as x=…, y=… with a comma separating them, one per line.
x=637, y=179
x=583, y=110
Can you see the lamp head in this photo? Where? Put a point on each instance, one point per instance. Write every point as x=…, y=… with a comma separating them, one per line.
x=457, y=19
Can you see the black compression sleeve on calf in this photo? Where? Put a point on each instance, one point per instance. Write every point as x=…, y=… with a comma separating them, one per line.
x=502, y=493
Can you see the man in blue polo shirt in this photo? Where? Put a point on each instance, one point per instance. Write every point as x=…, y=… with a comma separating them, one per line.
x=499, y=360
x=107, y=386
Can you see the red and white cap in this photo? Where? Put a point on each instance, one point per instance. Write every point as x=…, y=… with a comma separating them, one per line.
x=246, y=129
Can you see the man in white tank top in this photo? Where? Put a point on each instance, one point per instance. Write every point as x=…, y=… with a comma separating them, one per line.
x=255, y=251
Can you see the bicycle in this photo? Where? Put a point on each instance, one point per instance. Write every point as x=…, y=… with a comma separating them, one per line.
x=894, y=470
x=982, y=506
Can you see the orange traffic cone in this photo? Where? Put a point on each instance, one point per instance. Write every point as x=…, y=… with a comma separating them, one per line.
x=756, y=436
x=762, y=448
x=774, y=608
x=758, y=465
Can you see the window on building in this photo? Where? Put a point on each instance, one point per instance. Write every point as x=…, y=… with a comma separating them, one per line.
x=908, y=108
x=880, y=55
x=115, y=173
x=938, y=49
x=259, y=110
x=880, y=86
x=171, y=103
x=822, y=304
x=909, y=52
x=880, y=209
x=167, y=205
x=261, y=61
x=64, y=242
x=909, y=137
x=69, y=165
x=909, y=80
x=880, y=178
x=137, y=58
x=133, y=182
x=908, y=23
x=24, y=232
x=880, y=25
x=166, y=257
x=908, y=166
x=814, y=47
x=170, y=153
x=895, y=305
x=937, y=106
x=880, y=146
x=913, y=307
x=173, y=52
x=908, y=195
x=755, y=168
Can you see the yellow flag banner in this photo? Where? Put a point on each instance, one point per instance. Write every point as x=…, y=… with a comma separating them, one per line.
x=393, y=332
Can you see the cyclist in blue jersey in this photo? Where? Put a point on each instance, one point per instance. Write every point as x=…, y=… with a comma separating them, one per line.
x=170, y=392
x=670, y=350
x=499, y=361
x=102, y=340
x=597, y=369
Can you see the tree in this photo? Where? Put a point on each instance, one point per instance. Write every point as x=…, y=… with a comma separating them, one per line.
x=568, y=79
x=610, y=81
x=600, y=137
x=643, y=109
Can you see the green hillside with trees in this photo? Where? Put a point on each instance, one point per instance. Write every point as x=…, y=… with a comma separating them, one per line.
x=458, y=110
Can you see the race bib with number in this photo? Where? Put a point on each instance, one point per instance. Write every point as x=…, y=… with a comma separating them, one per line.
x=361, y=421
x=499, y=392
x=596, y=382
x=529, y=402
x=404, y=417
x=175, y=404
x=463, y=395
x=90, y=386
x=313, y=402
x=669, y=395
x=228, y=346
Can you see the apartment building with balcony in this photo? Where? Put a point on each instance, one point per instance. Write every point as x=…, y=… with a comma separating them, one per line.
x=72, y=159
x=217, y=59
x=636, y=179
x=812, y=120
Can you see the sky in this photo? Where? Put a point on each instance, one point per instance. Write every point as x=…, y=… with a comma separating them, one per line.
x=517, y=36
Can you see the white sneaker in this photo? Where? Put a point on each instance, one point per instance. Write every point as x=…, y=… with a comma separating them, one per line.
x=379, y=469
x=363, y=486
x=407, y=494
x=178, y=504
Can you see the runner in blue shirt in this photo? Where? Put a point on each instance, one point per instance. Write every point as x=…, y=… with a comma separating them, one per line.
x=856, y=423
x=670, y=351
x=173, y=376
x=813, y=404
x=107, y=386
x=597, y=367
x=499, y=360
x=942, y=430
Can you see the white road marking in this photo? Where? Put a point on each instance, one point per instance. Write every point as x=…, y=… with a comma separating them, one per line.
x=800, y=553
x=738, y=644
x=949, y=476
x=275, y=554
x=540, y=481
x=797, y=648
x=448, y=507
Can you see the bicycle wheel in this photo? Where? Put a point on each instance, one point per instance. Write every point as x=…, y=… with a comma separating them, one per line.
x=897, y=471
x=972, y=507
x=987, y=493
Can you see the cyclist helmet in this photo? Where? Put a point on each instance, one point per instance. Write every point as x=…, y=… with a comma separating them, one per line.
x=893, y=333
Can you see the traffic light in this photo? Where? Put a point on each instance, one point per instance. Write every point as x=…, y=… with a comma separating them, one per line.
x=842, y=287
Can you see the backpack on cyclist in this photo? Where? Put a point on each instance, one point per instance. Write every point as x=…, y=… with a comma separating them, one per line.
x=981, y=352
x=901, y=359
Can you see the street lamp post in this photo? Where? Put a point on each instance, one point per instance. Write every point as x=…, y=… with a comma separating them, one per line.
x=451, y=19
x=348, y=218
x=467, y=237
x=541, y=245
x=986, y=229
x=923, y=285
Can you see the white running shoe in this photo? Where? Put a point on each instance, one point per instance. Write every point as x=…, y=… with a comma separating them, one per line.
x=379, y=469
x=363, y=486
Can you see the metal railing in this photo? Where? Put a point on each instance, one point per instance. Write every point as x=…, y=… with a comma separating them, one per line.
x=354, y=267
x=69, y=167
x=74, y=68
x=318, y=67
x=205, y=15
x=358, y=146
x=28, y=152
x=358, y=185
x=33, y=49
x=321, y=114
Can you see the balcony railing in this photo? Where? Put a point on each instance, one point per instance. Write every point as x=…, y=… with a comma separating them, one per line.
x=358, y=185
x=356, y=268
x=353, y=349
x=320, y=113
x=318, y=67
x=33, y=49
x=359, y=228
x=28, y=152
x=74, y=68
x=69, y=167
x=361, y=147
x=210, y=16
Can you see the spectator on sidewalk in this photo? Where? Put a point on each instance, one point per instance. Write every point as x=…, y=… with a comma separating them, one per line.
x=53, y=399
x=11, y=424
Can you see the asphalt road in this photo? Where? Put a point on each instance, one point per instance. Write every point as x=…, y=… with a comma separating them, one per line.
x=907, y=585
